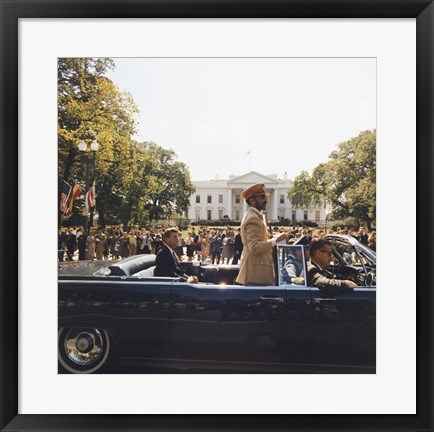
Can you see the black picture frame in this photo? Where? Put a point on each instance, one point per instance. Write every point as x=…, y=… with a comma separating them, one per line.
x=12, y=10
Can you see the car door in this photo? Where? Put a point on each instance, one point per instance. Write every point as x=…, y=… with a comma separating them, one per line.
x=291, y=262
x=227, y=323
x=344, y=325
x=134, y=311
x=250, y=324
x=344, y=329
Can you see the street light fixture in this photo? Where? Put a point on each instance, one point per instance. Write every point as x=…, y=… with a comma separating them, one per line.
x=86, y=159
x=82, y=146
x=94, y=146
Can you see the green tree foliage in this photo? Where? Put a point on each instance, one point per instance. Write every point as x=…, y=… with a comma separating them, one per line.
x=169, y=184
x=121, y=192
x=90, y=107
x=135, y=182
x=346, y=182
x=148, y=185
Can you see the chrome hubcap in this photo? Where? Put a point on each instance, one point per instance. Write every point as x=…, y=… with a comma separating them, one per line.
x=85, y=342
x=83, y=347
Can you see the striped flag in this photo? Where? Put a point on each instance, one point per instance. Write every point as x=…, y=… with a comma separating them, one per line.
x=90, y=200
x=76, y=192
x=66, y=192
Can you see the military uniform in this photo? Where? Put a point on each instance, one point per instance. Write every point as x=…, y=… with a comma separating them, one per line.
x=257, y=265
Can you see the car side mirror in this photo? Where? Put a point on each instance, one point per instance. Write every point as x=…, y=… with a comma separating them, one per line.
x=370, y=279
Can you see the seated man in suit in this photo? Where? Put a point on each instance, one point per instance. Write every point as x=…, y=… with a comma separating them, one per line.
x=318, y=276
x=167, y=263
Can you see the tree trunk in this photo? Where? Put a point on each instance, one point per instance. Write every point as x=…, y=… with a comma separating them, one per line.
x=92, y=210
x=125, y=221
x=69, y=162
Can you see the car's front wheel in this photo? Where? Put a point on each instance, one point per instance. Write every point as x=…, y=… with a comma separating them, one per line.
x=83, y=350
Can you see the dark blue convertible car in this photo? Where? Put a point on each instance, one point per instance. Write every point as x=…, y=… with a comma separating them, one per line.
x=118, y=311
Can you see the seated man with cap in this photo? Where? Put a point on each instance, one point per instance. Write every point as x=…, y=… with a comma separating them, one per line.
x=292, y=271
x=166, y=262
x=257, y=266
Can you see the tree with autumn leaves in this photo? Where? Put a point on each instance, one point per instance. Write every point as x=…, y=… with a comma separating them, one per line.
x=346, y=183
x=134, y=181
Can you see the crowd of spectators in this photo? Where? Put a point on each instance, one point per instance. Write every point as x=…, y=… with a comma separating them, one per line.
x=221, y=245
x=216, y=245
x=303, y=235
x=362, y=235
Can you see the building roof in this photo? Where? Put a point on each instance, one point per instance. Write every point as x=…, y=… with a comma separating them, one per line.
x=243, y=181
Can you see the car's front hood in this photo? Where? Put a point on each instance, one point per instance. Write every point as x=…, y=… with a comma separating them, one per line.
x=81, y=268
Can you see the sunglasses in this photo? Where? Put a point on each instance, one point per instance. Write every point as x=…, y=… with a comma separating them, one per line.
x=327, y=252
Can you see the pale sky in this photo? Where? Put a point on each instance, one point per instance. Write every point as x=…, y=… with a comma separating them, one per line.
x=289, y=113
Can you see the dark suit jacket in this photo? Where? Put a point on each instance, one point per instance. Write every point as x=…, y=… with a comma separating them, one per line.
x=166, y=265
x=321, y=278
x=238, y=243
x=292, y=269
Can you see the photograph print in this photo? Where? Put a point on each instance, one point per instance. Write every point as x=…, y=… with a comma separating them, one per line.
x=217, y=215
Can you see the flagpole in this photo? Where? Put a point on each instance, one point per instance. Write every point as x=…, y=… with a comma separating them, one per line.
x=86, y=188
x=249, y=154
x=86, y=160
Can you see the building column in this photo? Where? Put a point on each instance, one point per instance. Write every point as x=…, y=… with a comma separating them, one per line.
x=276, y=204
x=229, y=211
x=273, y=205
x=271, y=214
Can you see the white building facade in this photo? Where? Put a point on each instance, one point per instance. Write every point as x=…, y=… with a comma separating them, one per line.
x=215, y=199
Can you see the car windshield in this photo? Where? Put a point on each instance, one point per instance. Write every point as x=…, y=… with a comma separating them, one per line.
x=352, y=255
x=347, y=255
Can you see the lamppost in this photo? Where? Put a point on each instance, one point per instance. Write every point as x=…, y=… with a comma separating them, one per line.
x=87, y=160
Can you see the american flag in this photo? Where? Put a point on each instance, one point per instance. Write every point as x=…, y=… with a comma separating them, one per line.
x=90, y=197
x=66, y=192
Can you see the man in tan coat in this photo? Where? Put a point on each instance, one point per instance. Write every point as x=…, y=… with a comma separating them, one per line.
x=256, y=267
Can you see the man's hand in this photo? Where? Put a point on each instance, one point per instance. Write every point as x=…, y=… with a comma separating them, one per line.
x=297, y=280
x=192, y=279
x=280, y=237
x=351, y=284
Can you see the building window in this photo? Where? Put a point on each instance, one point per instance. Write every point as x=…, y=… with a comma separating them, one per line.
x=317, y=215
x=237, y=215
x=197, y=199
x=305, y=215
x=220, y=199
x=237, y=200
x=281, y=214
x=282, y=199
x=208, y=216
x=220, y=214
x=293, y=215
x=209, y=199
x=197, y=214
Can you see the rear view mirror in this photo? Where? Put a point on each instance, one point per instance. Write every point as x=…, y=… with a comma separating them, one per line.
x=347, y=258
